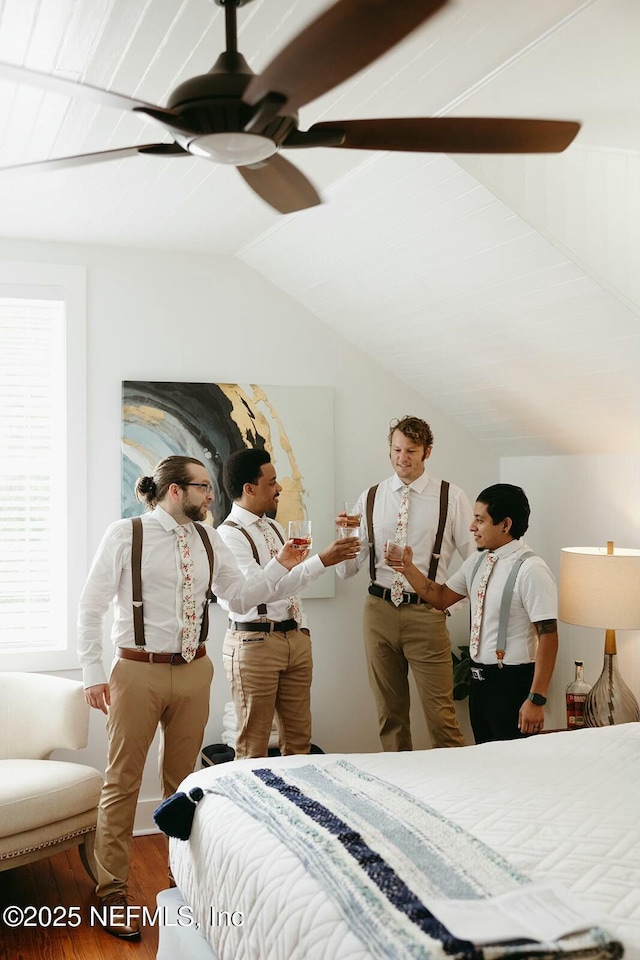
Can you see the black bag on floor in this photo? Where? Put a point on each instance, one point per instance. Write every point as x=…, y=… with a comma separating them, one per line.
x=216, y=753
x=221, y=753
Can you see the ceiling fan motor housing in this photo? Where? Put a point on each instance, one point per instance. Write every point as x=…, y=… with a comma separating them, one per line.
x=212, y=104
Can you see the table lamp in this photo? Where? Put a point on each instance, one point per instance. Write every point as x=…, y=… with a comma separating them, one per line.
x=600, y=587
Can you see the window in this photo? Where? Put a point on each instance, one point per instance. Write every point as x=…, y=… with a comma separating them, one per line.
x=42, y=464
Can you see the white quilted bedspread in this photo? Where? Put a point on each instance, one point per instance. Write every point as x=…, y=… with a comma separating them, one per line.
x=560, y=807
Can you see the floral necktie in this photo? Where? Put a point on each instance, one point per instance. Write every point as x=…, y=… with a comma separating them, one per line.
x=474, y=637
x=274, y=547
x=189, y=637
x=397, y=581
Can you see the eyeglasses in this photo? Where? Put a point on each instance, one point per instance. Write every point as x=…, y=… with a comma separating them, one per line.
x=203, y=486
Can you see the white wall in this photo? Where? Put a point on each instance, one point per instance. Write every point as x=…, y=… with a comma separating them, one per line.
x=159, y=316
x=580, y=501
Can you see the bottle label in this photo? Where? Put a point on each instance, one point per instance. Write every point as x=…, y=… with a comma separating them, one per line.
x=575, y=710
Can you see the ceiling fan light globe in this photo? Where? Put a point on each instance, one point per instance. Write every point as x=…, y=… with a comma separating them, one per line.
x=239, y=149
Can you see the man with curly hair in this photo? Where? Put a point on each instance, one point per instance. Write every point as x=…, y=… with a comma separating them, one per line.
x=400, y=629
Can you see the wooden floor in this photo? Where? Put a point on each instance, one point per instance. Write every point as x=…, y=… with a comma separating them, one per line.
x=62, y=882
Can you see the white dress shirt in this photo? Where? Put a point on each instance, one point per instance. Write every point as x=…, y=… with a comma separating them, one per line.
x=110, y=579
x=278, y=606
x=534, y=599
x=424, y=512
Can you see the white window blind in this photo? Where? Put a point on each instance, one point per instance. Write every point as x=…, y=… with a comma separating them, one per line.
x=33, y=475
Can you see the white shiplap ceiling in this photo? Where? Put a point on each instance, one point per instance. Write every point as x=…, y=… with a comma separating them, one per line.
x=505, y=290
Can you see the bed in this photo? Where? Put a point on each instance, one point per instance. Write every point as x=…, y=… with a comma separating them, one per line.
x=335, y=857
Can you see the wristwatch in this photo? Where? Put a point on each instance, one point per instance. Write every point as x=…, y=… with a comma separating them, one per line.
x=537, y=698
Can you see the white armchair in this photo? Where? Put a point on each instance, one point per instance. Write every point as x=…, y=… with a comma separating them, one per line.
x=45, y=805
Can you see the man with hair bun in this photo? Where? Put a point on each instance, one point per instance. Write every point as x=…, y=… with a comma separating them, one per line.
x=161, y=674
x=514, y=629
x=400, y=629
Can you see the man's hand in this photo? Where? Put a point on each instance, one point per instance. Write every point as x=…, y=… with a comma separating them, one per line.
x=530, y=718
x=345, y=548
x=98, y=696
x=402, y=563
x=290, y=555
x=437, y=594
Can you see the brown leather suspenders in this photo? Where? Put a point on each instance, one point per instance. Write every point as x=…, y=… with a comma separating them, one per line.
x=371, y=495
x=136, y=582
x=437, y=545
x=262, y=607
x=209, y=597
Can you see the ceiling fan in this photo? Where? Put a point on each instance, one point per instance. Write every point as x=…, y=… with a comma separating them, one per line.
x=231, y=115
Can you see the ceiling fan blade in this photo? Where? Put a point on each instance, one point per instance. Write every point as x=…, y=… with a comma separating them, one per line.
x=339, y=43
x=281, y=185
x=84, y=91
x=453, y=134
x=64, y=163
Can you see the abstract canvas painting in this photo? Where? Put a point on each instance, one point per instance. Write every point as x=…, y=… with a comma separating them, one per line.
x=209, y=421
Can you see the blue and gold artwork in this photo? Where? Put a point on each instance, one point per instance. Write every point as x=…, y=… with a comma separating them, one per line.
x=209, y=421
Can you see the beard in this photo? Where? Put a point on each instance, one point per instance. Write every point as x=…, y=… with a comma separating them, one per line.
x=194, y=512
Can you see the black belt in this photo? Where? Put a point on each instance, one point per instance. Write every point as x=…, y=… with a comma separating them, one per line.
x=385, y=594
x=264, y=626
x=479, y=671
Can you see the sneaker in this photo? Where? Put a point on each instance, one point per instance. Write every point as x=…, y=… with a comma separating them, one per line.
x=118, y=917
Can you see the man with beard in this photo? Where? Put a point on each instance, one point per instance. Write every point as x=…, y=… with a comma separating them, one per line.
x=161, y=570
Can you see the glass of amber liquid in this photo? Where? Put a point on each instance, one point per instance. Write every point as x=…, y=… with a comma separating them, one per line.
x=300, y=533
x=393, y=550
x=353, y=514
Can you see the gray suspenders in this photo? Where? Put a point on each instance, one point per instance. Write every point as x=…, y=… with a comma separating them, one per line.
x=505, y=603
x=136, y=582
x=437, y=544
x=262, y=607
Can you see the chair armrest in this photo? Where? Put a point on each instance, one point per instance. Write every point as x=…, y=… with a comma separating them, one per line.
x=40, y=713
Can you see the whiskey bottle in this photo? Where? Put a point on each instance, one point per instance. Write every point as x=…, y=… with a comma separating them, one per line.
x=576, y=696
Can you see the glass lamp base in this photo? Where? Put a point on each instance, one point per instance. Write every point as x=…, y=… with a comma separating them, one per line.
x=610, y=700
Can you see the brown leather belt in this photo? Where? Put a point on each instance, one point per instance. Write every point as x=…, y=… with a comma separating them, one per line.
x=143, y=656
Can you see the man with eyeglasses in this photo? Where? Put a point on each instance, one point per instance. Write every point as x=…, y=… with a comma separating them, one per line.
x=161, y=570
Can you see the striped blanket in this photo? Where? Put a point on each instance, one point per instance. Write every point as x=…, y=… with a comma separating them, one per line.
x=381, y=855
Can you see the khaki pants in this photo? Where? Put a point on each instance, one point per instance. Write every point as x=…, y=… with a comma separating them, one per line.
x=144, y=695
x=416, y=636
x=270, y=673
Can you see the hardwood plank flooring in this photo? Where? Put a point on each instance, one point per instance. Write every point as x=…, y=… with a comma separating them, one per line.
x=62, y=882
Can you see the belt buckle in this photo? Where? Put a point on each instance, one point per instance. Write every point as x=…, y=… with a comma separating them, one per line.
x=171, y=661
x=476, y=673
x=406, y=598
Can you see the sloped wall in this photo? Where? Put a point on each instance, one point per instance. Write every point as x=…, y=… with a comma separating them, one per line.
x=586, y=201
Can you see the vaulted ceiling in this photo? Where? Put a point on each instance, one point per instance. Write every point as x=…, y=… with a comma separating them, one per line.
x=505, y=290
